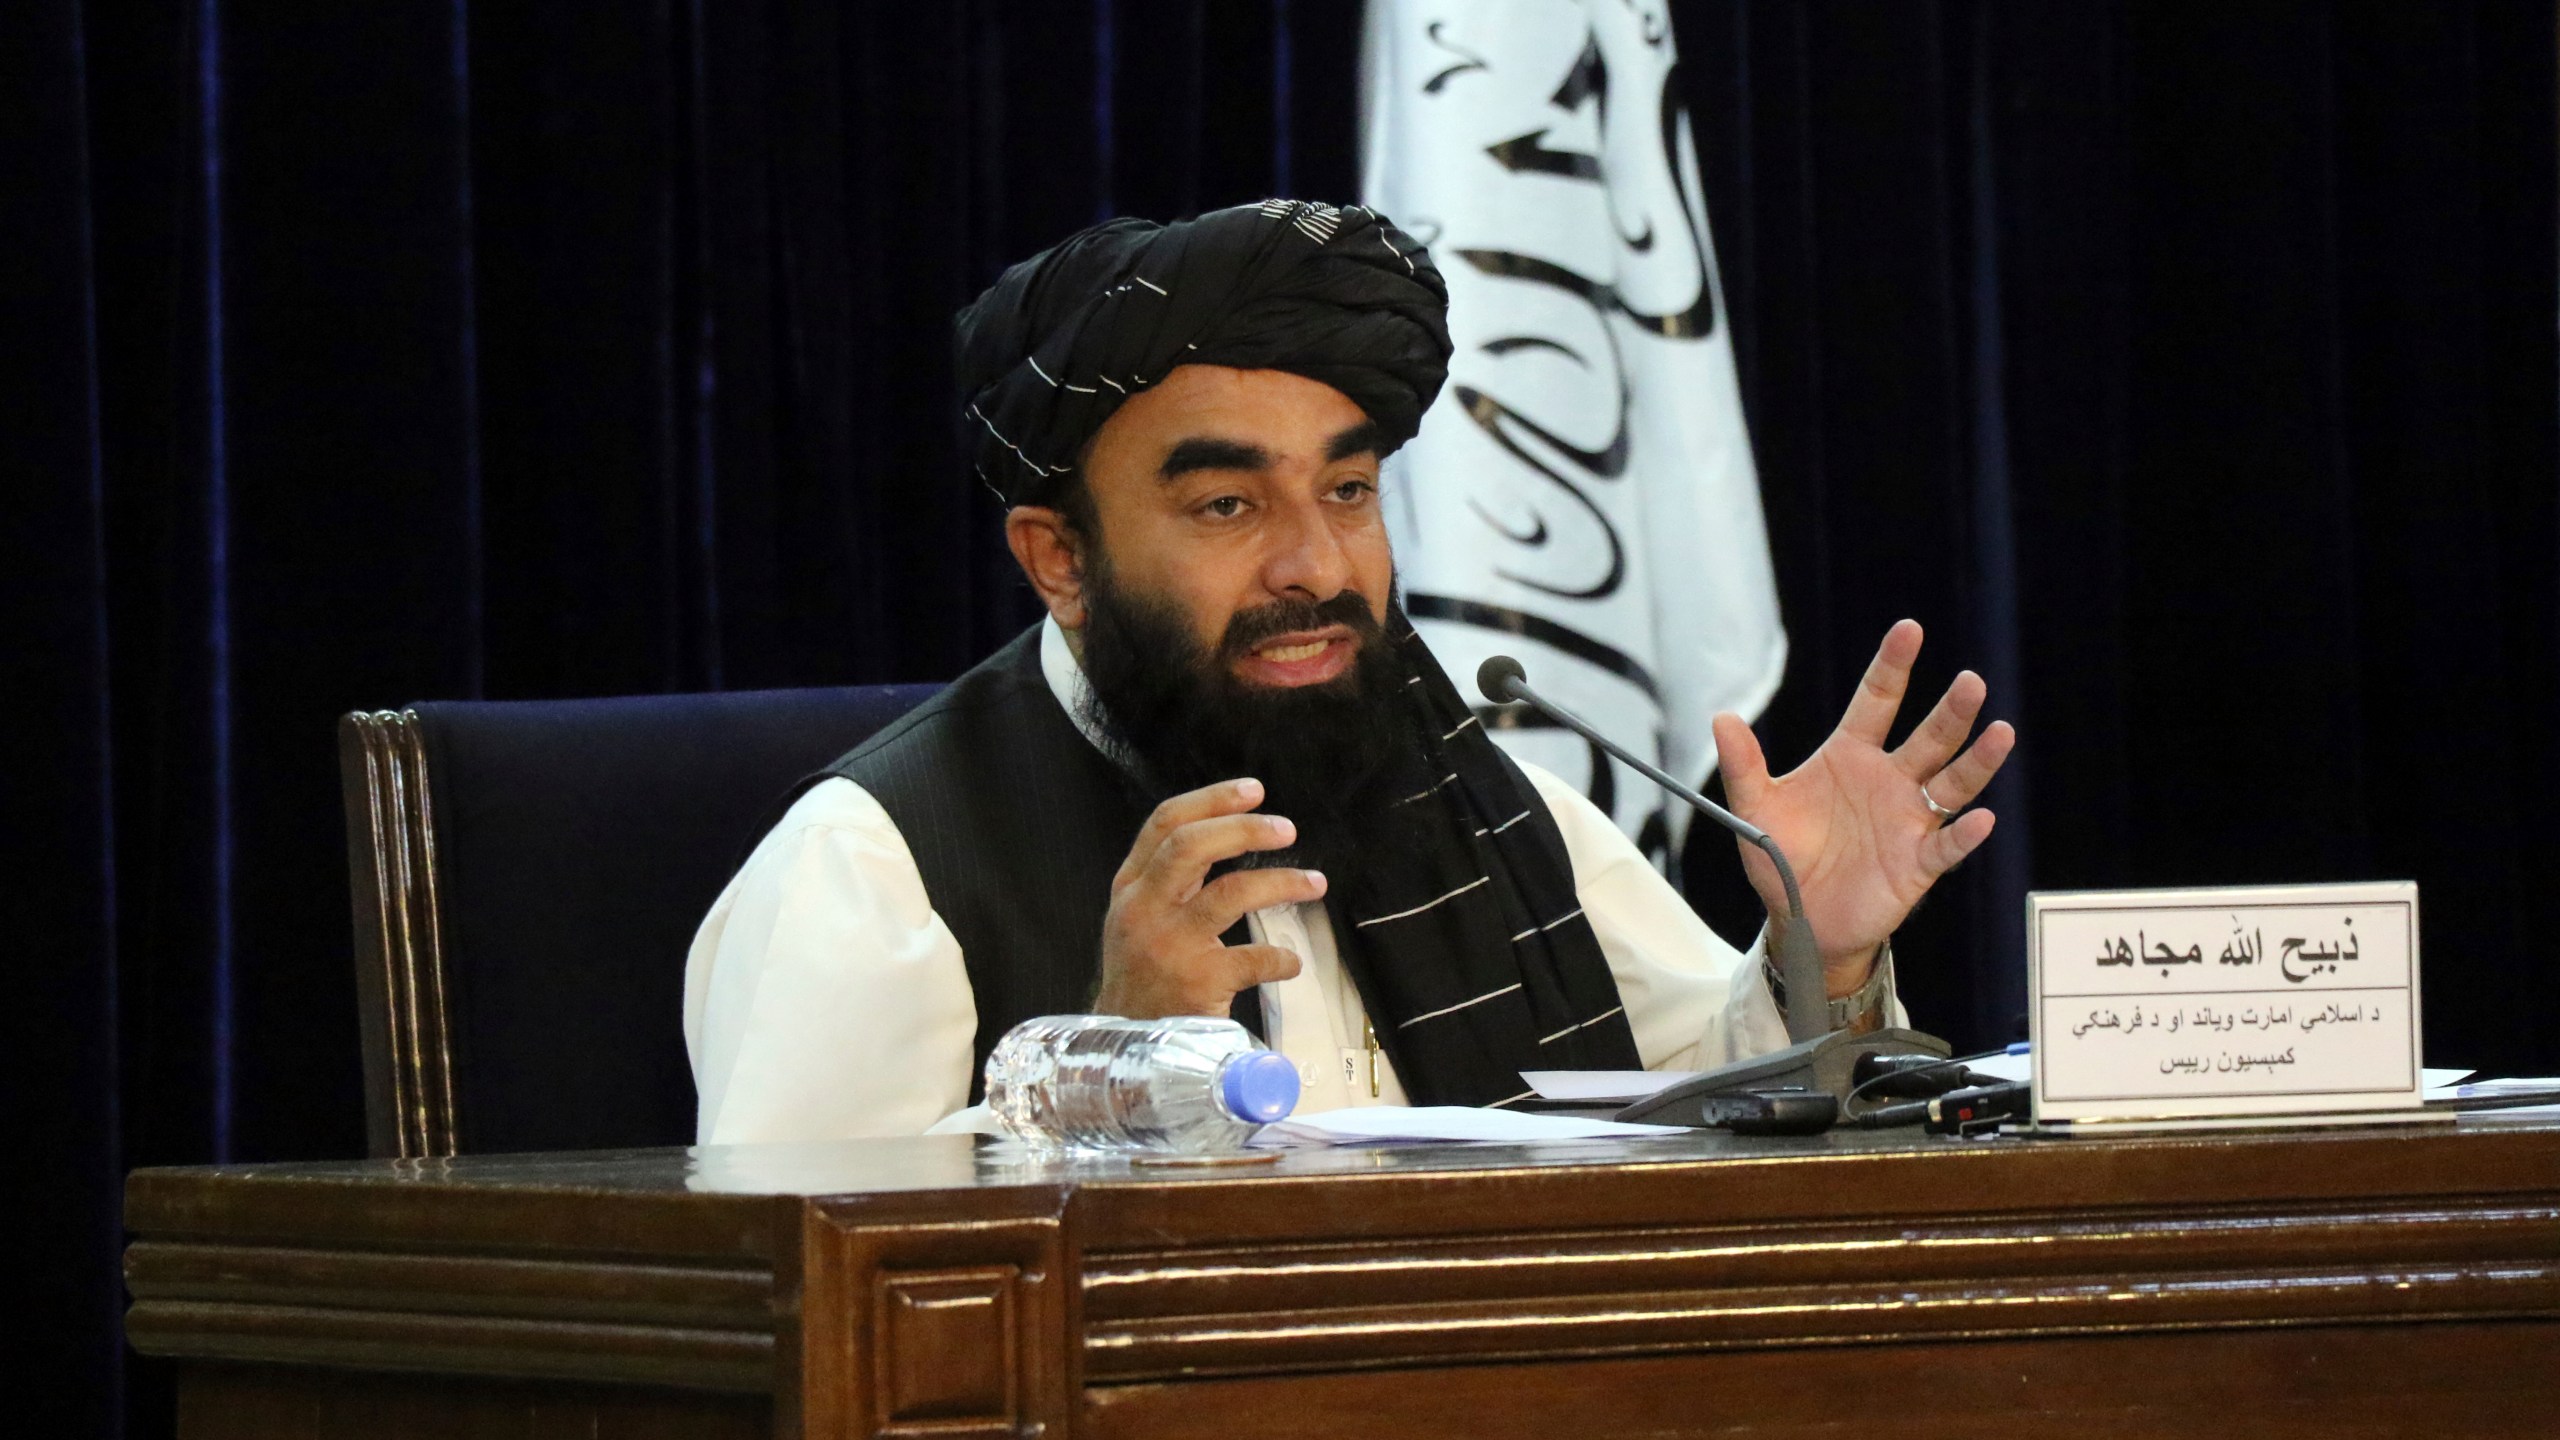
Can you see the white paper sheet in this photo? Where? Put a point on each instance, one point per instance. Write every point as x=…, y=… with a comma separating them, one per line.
x=2481, y=1088
x=2001, y=1067
x=1604, y=1086
x=1396, y=1124
x=2442, y=1082
x=2516, y=1085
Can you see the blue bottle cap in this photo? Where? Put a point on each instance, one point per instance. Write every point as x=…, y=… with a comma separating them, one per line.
x=1259, y=1086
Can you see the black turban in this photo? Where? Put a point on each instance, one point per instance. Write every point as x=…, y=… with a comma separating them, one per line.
x=1340, y=296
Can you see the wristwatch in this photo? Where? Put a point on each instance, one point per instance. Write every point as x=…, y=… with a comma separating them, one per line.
x=1859, y=1011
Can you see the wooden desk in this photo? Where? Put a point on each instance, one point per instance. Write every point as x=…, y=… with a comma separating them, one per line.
x=2364, y=1282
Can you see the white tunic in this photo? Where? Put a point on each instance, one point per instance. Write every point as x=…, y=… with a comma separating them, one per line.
x=824, y=998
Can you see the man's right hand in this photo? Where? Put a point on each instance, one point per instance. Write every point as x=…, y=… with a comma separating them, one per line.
x=1161, y=954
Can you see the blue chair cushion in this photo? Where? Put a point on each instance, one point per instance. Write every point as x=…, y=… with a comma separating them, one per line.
x=579, y=844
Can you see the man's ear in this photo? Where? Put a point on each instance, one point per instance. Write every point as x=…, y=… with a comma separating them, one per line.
x=1045, y=544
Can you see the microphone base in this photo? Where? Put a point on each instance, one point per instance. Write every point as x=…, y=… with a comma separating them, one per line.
x=1824, y=1063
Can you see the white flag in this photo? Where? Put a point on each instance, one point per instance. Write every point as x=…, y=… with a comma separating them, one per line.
x=1582, y=496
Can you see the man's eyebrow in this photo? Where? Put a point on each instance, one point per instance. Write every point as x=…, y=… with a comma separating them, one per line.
x=1207, y=452
x=1360, y=439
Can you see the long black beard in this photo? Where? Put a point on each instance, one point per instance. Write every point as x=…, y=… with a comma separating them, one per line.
x=1177, y=716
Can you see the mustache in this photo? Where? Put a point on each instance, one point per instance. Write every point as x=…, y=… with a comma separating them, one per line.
x=1249, y=628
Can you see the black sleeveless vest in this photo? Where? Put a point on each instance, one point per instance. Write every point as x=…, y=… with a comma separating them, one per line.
x=1017, y=824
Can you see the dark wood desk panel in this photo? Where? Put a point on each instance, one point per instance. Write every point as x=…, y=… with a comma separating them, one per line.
x=259, y=1402
x=2476, y=1382
x=2343, y=1281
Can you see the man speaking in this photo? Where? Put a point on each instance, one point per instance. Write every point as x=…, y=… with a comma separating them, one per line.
x=1224, y=777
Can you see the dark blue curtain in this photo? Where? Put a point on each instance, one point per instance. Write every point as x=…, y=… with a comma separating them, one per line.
x=2189, y=370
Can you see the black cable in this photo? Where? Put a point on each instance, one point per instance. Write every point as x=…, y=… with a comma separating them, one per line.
x=1850, y=1100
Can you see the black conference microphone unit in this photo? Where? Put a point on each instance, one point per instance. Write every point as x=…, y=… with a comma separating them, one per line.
x=1958, y=1112
x=1820, y=1058
x=1911, y=1077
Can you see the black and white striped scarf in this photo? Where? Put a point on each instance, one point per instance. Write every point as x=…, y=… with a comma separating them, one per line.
x=1460, y=924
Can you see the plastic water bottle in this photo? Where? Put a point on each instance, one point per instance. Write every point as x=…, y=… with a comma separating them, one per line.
x=1185, y=1084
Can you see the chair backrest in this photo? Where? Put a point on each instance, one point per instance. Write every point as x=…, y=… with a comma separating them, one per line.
x=527, y=877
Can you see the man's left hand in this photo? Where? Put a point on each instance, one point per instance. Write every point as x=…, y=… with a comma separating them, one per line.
x=1864, y=843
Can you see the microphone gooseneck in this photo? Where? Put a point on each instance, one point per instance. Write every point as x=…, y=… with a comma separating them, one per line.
x=1503, y=681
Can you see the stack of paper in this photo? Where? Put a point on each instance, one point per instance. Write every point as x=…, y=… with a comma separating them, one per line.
x=2524, y=1085
x=1604, y=1087
x=2441, y=1083
x=1400, y=1124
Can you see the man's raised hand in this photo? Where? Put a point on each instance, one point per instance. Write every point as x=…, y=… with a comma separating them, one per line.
x=1852, y=819
x=1161, y=954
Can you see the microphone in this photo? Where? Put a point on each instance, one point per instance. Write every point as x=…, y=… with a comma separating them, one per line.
x=1503, y=681
x=1819, y=1058
x=1911, y=1077
x=1957, y=1112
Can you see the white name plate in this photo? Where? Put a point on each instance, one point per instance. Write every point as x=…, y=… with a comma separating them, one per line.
x=2192, y=1004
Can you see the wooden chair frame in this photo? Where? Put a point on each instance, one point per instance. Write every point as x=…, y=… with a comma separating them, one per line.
x=402, y=989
